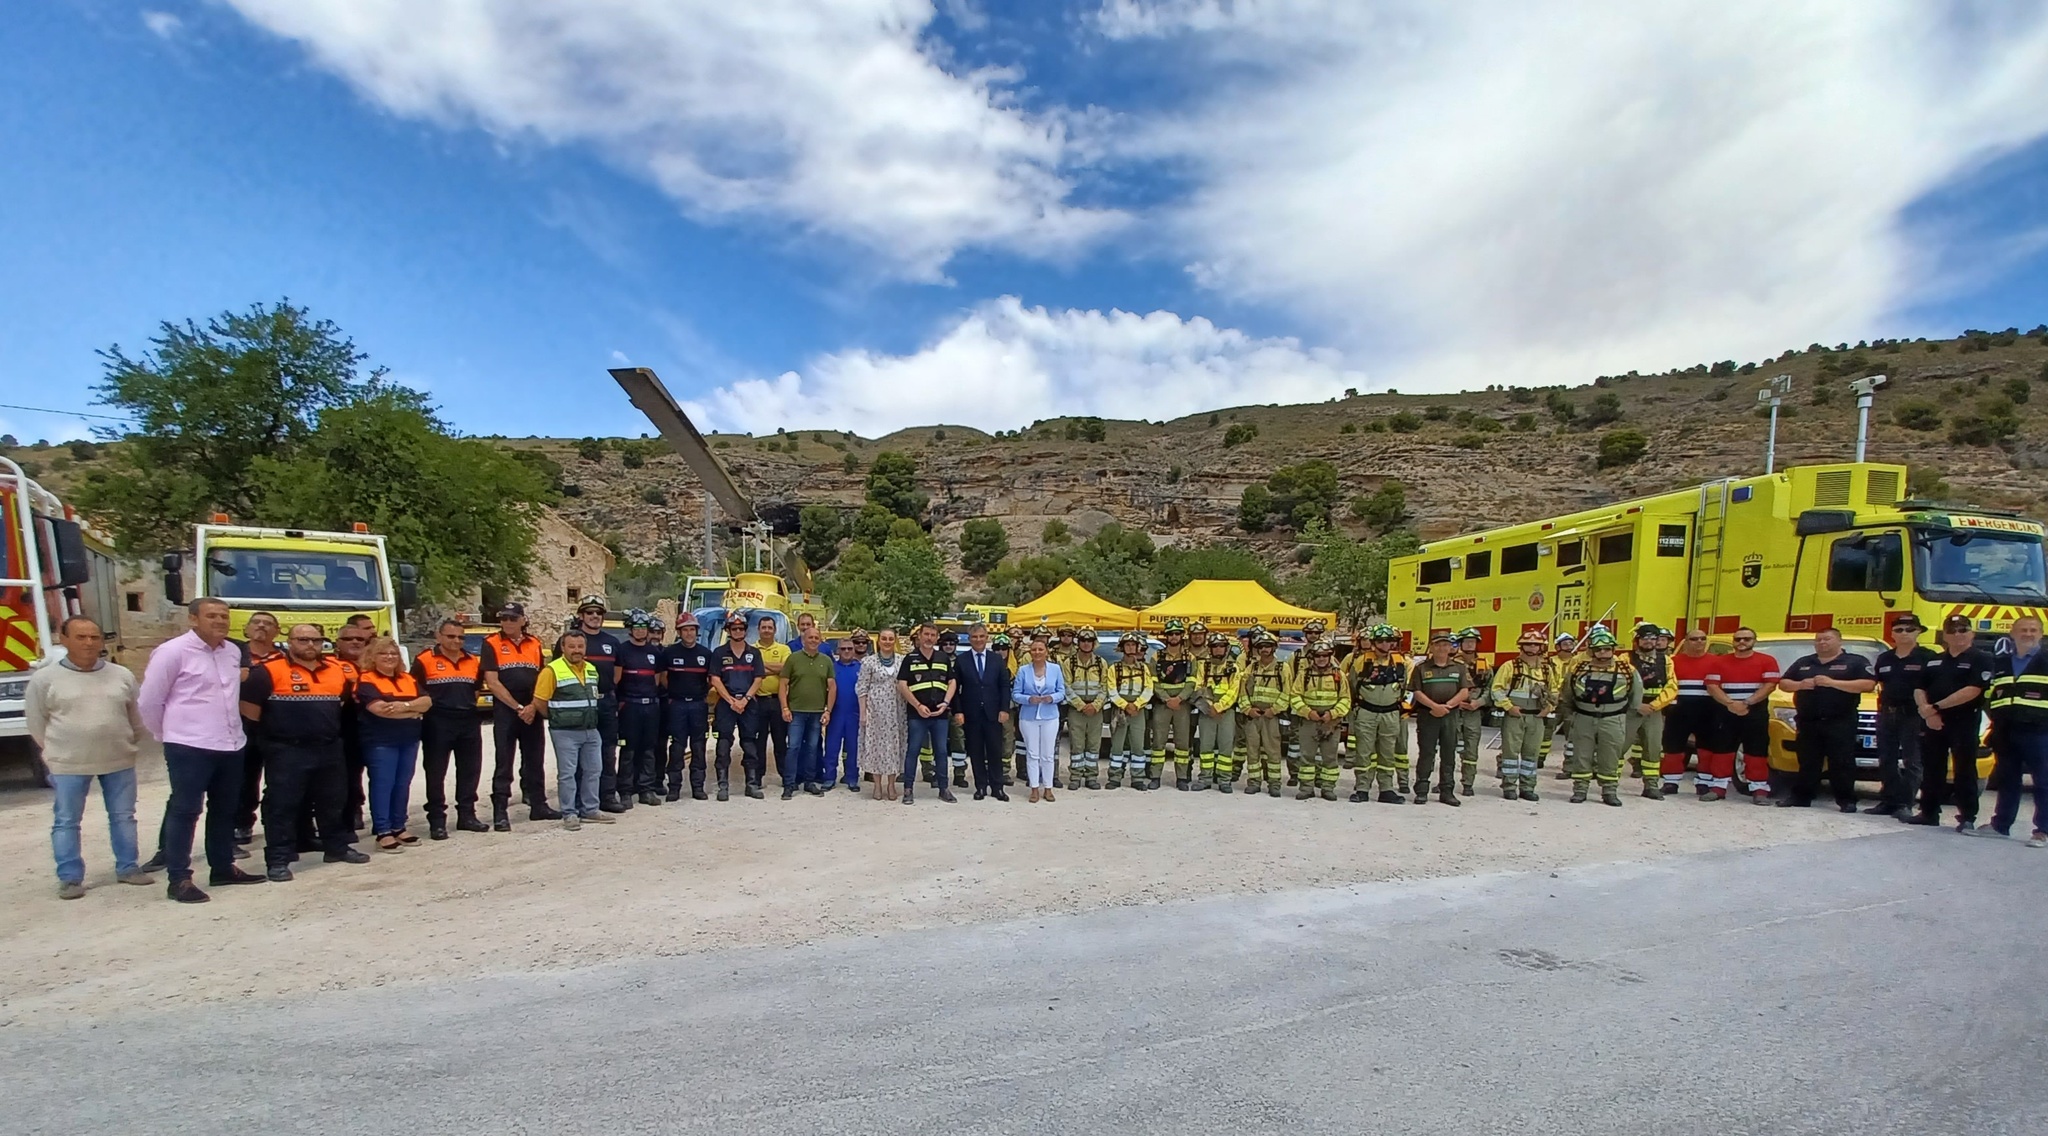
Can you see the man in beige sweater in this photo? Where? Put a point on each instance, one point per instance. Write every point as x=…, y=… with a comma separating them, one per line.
x=81, y=711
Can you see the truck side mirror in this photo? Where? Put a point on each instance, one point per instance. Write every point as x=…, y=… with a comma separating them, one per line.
x=408, y=588
x=74, y=566
x=174, y=578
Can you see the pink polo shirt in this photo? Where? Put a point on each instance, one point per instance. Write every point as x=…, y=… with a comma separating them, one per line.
x=191, y=694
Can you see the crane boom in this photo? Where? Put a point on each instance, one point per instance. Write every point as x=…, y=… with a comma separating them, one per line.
x=660, y=407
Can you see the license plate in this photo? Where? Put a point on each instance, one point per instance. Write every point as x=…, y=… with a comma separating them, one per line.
x=1867, y=741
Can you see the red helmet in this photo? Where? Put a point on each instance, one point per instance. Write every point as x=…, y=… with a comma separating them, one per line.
x=685, y=619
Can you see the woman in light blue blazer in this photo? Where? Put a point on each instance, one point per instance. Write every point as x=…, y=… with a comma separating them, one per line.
x=1038, y=691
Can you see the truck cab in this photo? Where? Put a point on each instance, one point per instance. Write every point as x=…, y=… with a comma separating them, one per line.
x=298, y=575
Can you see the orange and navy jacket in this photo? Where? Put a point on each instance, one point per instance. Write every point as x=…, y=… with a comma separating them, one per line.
x=301, y=704
x=373, y=687
x=451, y=683
x=517, y=664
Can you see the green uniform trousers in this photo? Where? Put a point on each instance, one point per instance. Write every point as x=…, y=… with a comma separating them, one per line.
x=1263, y=757
x=1597, y=744
x=1646, y=743
x=1127, y=742
x=1467, y=723
x=1319, y=766
x=1173, y=729
x=1084, y=741
x=1380, y=739
x=1217, y=736
x=1521, y=743
x=1436, y=744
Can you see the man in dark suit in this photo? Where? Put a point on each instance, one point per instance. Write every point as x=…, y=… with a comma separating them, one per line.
x=983, y=708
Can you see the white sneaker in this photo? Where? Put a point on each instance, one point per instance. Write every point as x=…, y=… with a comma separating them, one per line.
x=572, y=822
x=600, y=818
x=2038, y=840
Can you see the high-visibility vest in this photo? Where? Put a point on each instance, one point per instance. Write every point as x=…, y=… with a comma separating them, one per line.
x=573, y=705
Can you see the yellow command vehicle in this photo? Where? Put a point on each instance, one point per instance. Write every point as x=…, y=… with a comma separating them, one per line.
x=759, y=590
x=298, y=575
x=1792, y=552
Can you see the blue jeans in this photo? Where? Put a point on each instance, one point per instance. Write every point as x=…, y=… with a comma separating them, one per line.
x=117, y=790
x=925, y=730
x=806, y=747
x=579, y=765
x=391, y=768
x=2020, y=755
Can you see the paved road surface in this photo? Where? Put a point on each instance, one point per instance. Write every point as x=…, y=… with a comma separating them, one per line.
x=1889, y=984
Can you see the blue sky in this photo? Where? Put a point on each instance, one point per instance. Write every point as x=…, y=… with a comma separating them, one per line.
x=874, y=213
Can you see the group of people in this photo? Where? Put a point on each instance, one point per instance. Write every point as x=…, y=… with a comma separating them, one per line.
x=293, y=731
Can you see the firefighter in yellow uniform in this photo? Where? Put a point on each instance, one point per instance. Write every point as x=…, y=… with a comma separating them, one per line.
x=1290, y=728
x=1130, y=692
x=1602, y=688
x=1216, y=715
x=1526, y=690
x=1173, y=690
x=1469, y=718
x=1646, y=718
x=1087, y=698
x=1262, y=696
x=1320, y=700
x=1564, y=652
x=1379, y=734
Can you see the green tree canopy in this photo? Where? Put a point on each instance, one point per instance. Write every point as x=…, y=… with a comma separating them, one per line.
x=819, y=530
x=983, y=544
x=1348, y=576
x=892, y=484
x=911, y=582
x=1174, y=568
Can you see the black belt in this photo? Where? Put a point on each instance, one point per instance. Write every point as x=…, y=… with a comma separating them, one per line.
x=1367, y=706
x=1601, y=713
x=639, y=701
x=686, y=698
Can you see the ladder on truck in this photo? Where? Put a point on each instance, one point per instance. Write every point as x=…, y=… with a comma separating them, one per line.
x=1710, y=529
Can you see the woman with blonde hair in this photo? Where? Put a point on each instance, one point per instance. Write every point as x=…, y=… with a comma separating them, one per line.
x=393, y=711
x=882, y=732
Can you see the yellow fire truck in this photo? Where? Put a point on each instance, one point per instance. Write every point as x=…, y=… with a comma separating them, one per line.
x=1791, y=552
x=298, y=575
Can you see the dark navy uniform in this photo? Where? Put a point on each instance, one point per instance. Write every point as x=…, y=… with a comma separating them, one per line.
x=687, y=671
x=638, y=687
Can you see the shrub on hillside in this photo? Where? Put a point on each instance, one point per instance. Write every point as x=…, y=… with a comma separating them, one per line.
x=1917, y=414
x=1621, y=447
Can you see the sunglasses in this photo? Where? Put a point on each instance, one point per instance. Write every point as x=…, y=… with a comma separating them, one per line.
x=1745, y=639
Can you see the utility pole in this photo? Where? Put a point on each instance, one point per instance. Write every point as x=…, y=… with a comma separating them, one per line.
x=1773, y=396
x=1866, y=393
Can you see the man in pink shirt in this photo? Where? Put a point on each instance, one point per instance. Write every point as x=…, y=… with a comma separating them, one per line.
x=191, y=700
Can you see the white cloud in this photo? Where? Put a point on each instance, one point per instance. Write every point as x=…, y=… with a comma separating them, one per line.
x=163, y=24
x=620, y=358
x=1004, y=365
x=834, y=115
x=1505, y=191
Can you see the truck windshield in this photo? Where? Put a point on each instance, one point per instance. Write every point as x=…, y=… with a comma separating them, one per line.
x=2001, y=567
x=286, y=574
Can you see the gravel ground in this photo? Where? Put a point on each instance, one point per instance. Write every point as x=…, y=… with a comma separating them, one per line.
x=701, y=876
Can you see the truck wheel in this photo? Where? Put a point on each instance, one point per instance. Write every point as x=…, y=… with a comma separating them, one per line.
x=30, y=753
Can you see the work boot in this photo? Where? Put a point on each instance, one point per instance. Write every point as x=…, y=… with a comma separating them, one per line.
x=724, y=789
x=467, y=822
x=1057, y=782
x=1305, y=793
x=959, y=778
x=675, y=793
x=946, y=795
x=1139, y=782
x=1183, y=784
x=649, y=798
x=1152, y=782
x=625, y=801
x=753, y=790
x=1401, y=783
x=1272, y=788
x=1465, y=790
x=345, y=856
x=1360, y=796
x=1449, y=798
x=1564, y=775
x=1389, y=797
x=697, y=793
x=1701, y=791
x=1199, y=785
x=1654, y=790
x=1329, y=792
x=1421, y=793
x=1093, y=782
x=1252, y=785
x=1579, y=792
x=500, y=822
x=245, y=835
x=437, y=830
x=1293, y=779
x=1223, y=787
x=1116, y=781
x=1508, y=792
x=1610, y=795
x=1529, y=793
x=541, y=811
x=611, y=804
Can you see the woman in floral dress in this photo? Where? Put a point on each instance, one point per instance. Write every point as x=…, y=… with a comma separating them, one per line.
x=882, y=733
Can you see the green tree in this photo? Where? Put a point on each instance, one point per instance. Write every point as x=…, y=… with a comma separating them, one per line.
x=1560, y=407
x=1254, y=507
x=206, y=402
x=1056, y=532
x=903, y=528
x=1621, y=447
x=983, y=544
x=590, y=449
x=1993, y=422
x=1603, y=410
x=849, y=589
x=871, y=525
x=1025, y=579
x=367, y=460
x=819, y=530
x=1348, y=576
x=1404, y=422
x=1304, y=491
x=1917, y=414
x=1090, y=429
x=1174, y=568
x=892, y=484
x=910, y=581
x=1238, y=434
x=2017, y=389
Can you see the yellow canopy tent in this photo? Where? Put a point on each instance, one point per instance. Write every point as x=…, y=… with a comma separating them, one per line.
x=1071, y=603
x=1230, y=604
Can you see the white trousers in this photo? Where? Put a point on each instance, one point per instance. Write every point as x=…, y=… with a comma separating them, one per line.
x=1040, y=736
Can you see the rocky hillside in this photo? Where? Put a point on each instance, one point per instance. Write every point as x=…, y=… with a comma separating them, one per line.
x=1468, y=460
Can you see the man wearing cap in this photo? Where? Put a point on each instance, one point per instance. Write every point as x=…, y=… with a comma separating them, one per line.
x=686, y=707
x=1320, y=701
x=1899, y=671
x=509, y=664
x=638, y=689
x=1437, y=684
x=1173, y=688
x=601, y=651
x=1601, y=690
x=1087, y=694
x=1645, y=719
x=736, y=687
x=1951, y=699
x=1379, y=734
x=1469, y=719
x=1526, y=690
x=1262, y=697
x=842, y=730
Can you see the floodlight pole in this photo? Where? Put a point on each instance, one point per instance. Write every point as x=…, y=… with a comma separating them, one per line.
x=1774, y=396
x=1866, y=393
